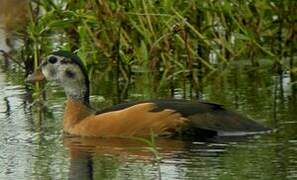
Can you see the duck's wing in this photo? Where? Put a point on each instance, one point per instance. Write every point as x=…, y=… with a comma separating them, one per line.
x=186, y=108
x=202, y=115
x=137, y=120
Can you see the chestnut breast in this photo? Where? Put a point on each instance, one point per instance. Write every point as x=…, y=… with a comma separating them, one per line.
x=137, y=120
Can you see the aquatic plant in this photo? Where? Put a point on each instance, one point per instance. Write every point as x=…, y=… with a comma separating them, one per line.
x=169, y=40
x=152, y=148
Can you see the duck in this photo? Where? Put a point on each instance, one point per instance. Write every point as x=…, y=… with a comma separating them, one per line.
x=161, y=117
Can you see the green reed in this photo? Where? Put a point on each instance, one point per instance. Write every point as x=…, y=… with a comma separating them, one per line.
x=169, y=39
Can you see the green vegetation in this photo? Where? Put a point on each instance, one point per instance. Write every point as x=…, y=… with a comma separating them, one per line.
x=238, y=53
x=170, y=39
x=152, y=148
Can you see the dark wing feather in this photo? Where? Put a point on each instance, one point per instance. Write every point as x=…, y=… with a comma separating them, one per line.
x=186, y=108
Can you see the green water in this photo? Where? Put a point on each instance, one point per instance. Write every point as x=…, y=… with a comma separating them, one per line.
x=32, y=144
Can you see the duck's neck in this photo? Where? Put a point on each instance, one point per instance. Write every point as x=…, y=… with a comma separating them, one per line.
x=77, y=90
x=75, y=111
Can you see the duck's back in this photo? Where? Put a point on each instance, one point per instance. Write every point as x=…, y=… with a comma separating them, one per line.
x=205, y=119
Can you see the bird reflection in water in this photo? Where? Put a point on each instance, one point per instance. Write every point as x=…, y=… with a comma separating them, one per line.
x=112, y=152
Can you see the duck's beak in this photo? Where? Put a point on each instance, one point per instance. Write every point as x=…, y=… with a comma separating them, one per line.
x=36, y=76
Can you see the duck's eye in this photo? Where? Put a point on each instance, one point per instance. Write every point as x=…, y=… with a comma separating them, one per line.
x=52, y=59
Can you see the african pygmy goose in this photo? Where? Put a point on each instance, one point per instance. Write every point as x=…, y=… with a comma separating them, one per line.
x=162, y=117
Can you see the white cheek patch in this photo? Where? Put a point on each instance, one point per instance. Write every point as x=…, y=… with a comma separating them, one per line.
x=70, y=74
x=50, y=73
x=73, y=81
x=70, y=71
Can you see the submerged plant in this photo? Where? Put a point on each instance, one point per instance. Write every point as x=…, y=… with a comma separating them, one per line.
x=152, y=148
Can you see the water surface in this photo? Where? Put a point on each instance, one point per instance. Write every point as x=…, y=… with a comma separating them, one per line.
x=33, y=145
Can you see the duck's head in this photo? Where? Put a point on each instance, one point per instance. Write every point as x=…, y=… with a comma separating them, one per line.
x=68, y=71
